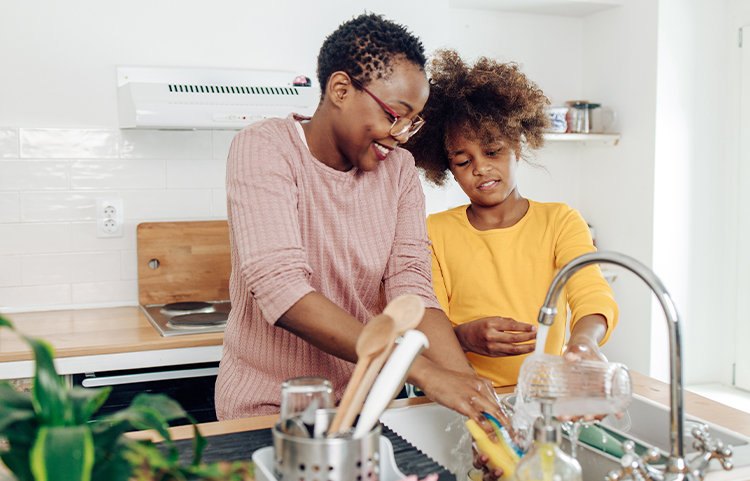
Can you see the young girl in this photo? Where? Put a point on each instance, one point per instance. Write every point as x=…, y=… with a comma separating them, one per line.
x=494, y=259
x=326, y=218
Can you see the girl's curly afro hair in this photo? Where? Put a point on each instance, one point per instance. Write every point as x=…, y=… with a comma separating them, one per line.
x=483, y=101
x=365, y=47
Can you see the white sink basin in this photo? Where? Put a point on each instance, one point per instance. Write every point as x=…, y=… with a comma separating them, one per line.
x=424, y=426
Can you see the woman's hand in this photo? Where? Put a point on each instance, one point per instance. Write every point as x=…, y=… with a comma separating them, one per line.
x=496, y=336
x=467, y=394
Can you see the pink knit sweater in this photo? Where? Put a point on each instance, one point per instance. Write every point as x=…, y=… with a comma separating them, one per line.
x=296, y=226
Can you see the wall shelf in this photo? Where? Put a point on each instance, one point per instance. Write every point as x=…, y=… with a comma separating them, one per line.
x=594, y=140
x=567, y=8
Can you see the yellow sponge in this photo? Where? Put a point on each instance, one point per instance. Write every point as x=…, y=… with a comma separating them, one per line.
x=499, y=456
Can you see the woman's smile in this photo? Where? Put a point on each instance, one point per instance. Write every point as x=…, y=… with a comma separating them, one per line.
x=381, y=151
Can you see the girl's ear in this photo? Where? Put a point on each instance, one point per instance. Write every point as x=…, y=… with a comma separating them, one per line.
x=339, y=87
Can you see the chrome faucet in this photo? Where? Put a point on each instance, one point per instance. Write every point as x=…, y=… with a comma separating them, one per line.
x=677, y=467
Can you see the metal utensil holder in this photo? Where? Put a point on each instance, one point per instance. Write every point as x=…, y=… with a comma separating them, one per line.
x=327, y=459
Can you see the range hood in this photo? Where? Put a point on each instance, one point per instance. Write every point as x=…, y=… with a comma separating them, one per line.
x=199, y=98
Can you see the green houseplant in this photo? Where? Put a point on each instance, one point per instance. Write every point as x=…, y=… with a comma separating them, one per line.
x=53, y=435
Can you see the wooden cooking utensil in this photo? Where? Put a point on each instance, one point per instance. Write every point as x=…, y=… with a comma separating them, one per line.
x=406, y=311
x=376, y=337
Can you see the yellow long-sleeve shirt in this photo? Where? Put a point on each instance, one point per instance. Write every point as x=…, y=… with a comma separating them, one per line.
x=506, y=272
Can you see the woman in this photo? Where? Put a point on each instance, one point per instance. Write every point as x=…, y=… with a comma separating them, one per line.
x=326, y=218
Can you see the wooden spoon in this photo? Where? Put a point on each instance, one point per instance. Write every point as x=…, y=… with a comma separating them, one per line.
x=376, y=337
x=407, y=312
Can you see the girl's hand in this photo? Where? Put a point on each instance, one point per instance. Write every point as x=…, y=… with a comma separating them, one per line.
x=480, y=462
x=584, y=345
x=496, y=336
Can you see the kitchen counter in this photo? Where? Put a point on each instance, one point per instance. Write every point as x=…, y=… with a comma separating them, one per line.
x=107, y=339
x=645, y=386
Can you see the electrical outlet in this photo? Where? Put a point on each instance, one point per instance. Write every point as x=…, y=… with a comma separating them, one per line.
x=109, y=218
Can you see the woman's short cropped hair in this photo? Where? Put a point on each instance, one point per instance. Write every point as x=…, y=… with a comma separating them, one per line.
x=365, y=48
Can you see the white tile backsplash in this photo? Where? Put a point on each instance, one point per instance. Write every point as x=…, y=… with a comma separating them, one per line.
x=222, y=140
x=84, y=238
x=106, y=174
x=166, y=144
x=10, y=207
x=8, y=143
x=50, y=179
x=129, y=263
x=10, y=271
x=70, y=268
x=34, y=175
x=109, y=292
x=69, y=143
x=220, y=203
x=21, y=238
x=61, y=206
x=191, y=174
x=176, y=204
x=29, y=297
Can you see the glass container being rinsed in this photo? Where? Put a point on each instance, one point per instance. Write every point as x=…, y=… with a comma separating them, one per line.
x=575, y=388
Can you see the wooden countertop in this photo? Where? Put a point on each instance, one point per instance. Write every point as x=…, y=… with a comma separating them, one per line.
x=89, y=332
x=699, y=406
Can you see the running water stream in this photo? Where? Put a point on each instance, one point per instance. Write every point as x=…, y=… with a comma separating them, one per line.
x=541, y=338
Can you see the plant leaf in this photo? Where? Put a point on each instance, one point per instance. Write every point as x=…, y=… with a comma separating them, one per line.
x=63, y=453
x=146, y=417
x=112, y=466
x=199, y=445
x=49, y=394
x=17, y=460
x=86, y=401
x=9, y=416
x=5, y=322
x=164, y=405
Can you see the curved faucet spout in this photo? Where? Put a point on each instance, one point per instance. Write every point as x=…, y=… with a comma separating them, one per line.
x=547, y=314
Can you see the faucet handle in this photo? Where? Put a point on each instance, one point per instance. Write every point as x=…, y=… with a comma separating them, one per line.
x=633, y=466
x=711, y=448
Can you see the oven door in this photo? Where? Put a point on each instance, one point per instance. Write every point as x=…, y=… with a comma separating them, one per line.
x=191, y=385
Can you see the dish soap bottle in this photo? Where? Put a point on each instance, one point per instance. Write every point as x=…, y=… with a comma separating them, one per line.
x=546, y=461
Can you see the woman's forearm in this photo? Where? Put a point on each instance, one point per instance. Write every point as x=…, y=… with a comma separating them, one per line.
x=320, y=322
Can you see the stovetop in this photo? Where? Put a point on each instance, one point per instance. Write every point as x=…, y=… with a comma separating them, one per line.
x=176, y=319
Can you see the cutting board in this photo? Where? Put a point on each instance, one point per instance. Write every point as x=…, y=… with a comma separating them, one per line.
x=183, y=261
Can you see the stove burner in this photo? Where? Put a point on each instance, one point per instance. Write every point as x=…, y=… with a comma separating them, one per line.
x=186, y=306
x=198, y=320
x=182, y=308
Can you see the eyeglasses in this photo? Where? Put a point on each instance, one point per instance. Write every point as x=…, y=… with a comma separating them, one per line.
x=402, y=126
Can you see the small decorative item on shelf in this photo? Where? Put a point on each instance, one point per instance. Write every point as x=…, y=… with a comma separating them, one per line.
x=51, y=435
x=558, y=116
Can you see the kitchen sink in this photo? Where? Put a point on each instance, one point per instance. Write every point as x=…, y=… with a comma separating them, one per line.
x=426, y=427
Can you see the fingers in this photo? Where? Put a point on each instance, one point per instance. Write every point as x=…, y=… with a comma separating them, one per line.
x=498, y=349
x=493, y=475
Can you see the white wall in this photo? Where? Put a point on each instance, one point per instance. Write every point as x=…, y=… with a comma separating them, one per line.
x=619, y=69
x=691, y=215
x=61, y=149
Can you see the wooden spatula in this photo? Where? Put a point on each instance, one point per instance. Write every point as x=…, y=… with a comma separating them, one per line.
x=376, y=337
